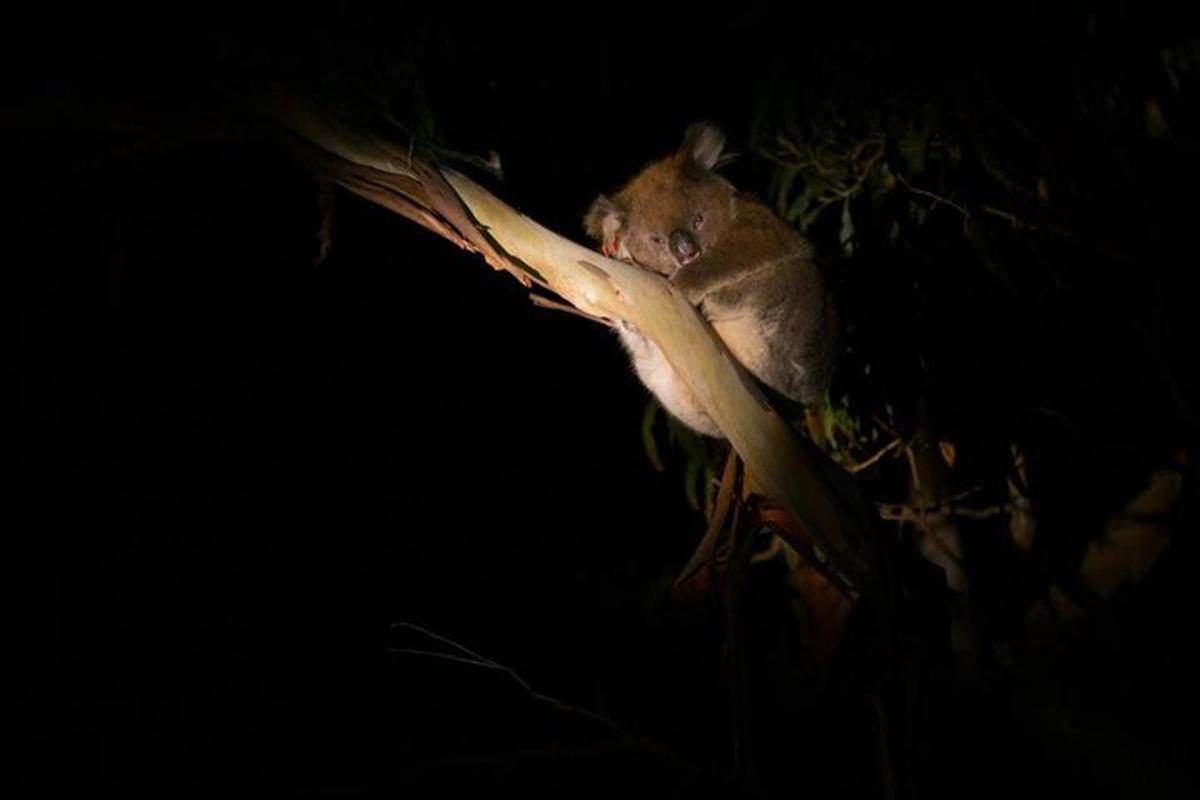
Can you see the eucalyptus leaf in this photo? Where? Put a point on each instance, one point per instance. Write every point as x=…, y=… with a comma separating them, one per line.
x=786, y=178
x=846, y=233
x=799, y=207
x=649, y=443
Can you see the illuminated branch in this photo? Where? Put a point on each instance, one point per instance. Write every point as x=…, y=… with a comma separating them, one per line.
x=780, y=464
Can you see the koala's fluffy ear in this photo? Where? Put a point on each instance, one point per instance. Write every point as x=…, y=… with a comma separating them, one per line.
x=702, y=144
x=603, y=220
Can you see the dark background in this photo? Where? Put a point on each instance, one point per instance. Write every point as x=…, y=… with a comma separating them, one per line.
x=240, y=468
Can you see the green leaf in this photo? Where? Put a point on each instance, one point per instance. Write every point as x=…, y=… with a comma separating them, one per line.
x=846, y=233
x=785, y=177
x=799, y=207
x=649, y=443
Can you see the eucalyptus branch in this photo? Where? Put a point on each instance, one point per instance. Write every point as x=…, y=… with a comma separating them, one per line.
x=821, y=499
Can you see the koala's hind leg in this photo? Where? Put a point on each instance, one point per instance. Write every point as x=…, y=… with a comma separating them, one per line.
x=662, y=379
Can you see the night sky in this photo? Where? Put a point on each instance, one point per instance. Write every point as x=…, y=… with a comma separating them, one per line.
x=245, y=475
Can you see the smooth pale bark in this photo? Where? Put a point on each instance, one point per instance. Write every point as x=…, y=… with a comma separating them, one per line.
x=448, y=203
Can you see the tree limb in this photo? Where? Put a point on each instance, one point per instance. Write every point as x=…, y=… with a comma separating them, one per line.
x=782, y=465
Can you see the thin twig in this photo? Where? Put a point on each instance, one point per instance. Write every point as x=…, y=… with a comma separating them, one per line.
x=704, y=554
x=937, y=198
x=453, y=659
x=472, y=659
x=905, y=511
x=545, y=302
x=437, y=637
x=912, y=467
x=857, y=468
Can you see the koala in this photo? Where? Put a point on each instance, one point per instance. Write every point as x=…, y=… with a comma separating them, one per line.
x=749, y=272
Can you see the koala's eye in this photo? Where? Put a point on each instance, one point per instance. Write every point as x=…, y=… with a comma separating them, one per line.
x=698, y=221
x=658, y=240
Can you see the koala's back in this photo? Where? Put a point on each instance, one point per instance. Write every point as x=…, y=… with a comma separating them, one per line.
x=771, y=306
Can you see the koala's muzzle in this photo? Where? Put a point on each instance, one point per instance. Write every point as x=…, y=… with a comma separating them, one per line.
x=684, y=247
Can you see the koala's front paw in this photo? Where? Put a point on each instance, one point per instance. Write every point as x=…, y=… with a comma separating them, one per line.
x=689, y=288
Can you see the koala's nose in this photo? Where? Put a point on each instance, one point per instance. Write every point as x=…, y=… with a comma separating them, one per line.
x=684, y=247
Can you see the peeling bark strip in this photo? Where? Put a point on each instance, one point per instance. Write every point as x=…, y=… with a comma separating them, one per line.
x=787, y=468
x=383, y=173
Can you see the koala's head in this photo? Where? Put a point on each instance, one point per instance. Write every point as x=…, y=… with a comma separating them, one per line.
x=673, y=211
